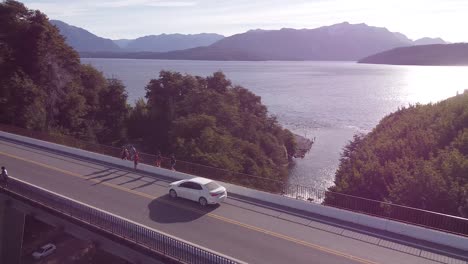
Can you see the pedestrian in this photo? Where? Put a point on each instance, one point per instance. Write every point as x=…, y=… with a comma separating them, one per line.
x=127, y=154
x=4, y=177
x=136, y=158
x=158, y=159
x=173, y=162
x=123, y=154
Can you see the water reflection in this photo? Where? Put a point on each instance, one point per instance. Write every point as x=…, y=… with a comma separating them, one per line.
x=432, y=84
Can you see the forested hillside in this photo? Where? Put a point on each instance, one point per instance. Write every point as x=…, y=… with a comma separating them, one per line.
x=44, y=87
x=417, y=156
x=437, y=54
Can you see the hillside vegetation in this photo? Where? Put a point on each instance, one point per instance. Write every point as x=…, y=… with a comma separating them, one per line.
x=439, y=54
x=417, y=156
x=44, y=87
x=209, y=121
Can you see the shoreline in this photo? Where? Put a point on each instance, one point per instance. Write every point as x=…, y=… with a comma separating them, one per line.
x=304, y=145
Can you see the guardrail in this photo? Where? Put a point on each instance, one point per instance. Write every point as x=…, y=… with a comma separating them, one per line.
x=433, y=220
x=144, y=237
x=241, y=179
x=415, y=216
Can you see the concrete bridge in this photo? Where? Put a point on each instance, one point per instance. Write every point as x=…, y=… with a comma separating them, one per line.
x=251, y=226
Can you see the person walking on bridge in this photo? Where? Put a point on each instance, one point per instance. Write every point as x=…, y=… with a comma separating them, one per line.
x=136, y=158
x=173, y=162
x=125, y=154
x=158, y=159
x=132, y=152
x=4, y=177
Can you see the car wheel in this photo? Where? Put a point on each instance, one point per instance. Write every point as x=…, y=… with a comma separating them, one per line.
x=203, y=201
x=173, y=194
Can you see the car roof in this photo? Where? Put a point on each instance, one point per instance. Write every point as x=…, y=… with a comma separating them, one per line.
x=46, y=245
x=200, y=180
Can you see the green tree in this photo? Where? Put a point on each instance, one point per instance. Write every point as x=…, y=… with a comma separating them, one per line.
x=43, y=86
x=417, y=156
x=208, y=121
x=113, y=113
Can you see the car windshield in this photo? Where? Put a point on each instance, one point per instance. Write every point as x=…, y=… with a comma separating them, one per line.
x=212, y=186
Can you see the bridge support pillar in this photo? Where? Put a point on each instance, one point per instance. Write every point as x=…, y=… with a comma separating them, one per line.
x=11, y=233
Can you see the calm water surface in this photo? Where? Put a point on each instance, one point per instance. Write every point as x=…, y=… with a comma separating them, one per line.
x=330, y=101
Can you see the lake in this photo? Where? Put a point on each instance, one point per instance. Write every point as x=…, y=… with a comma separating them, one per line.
x=330, y=101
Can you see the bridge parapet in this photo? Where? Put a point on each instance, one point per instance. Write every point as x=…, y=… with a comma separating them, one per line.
x=144, y=238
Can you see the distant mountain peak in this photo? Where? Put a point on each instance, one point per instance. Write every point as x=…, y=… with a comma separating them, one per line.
x=429, y=41
x=82, y=40
x=347, y=24
x=342, y=41
x=170, y=42
x=254, y=30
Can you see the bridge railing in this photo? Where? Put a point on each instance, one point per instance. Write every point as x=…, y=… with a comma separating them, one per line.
x=241, y=179
x=382, y=209
x=174, y=249
x=433, y=220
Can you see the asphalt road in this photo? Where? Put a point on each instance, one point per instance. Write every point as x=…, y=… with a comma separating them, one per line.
x=250, y=232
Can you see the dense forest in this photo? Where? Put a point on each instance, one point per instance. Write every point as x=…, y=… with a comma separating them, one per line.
x=417, y=156
x=44, y=87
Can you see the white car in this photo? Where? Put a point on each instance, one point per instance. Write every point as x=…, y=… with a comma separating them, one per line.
x=204, y=191
x=44, y=251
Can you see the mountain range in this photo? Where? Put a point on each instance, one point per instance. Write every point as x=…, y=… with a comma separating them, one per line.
x=85, y=41
x=170, y=42
x=344, y=41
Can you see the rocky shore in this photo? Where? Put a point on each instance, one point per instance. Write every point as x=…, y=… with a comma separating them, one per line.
x=303, y=145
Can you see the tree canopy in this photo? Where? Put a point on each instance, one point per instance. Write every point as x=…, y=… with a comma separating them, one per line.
x=209, y=121
x=44, y=87
x=417, y=156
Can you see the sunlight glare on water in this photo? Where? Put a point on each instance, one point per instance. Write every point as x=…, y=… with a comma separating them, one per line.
x=432, y=84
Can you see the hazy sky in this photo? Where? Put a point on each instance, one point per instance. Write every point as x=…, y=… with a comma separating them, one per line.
x=134, y=18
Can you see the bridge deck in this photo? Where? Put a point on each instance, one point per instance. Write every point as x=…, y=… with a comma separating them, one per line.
x=249, y=232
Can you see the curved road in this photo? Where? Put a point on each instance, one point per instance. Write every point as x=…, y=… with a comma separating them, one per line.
x=251, y=232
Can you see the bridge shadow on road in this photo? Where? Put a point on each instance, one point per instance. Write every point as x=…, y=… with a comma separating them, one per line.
x=167, y=210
